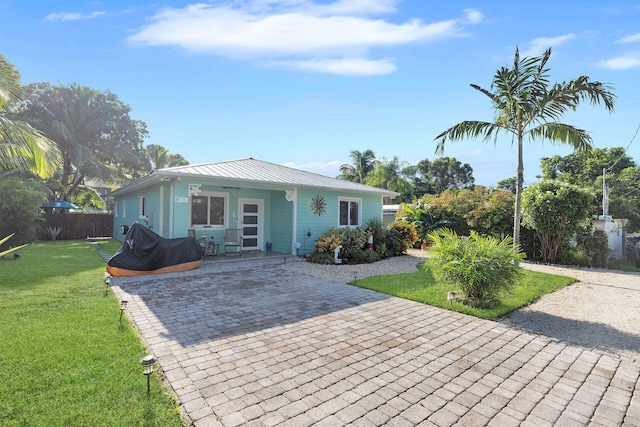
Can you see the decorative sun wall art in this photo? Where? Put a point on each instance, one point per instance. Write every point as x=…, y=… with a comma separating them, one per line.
x=318, y=205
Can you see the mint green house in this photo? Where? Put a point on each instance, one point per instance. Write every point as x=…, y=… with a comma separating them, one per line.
x=277, y=208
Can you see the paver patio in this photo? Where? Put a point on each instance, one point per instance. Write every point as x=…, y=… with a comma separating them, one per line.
x=265, y=346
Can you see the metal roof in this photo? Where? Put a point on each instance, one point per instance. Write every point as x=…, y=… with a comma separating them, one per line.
x=254, y=171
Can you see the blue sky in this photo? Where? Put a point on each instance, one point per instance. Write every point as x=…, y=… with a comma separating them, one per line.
x=303, y=82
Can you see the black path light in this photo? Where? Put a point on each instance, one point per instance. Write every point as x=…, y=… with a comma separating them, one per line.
x=123, y=307
x=451, y=297
x=107, y=282
x=147, y=364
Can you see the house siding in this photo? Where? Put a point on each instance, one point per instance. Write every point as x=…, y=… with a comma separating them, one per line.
x=281, y=226
x=310, y=223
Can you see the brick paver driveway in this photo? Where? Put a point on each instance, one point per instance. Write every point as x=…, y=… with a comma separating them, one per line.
x=265, y=346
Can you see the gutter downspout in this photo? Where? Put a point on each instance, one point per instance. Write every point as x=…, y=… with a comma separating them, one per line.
x=161, y=211
x=294, y=228
x=171, y=202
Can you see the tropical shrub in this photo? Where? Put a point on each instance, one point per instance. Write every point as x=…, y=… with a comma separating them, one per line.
x=393, y=240
x=327, y=243
x=407, y=233
x=557, y=212
x=494, y=214
x=423, y=220
x=53, y=232
x=321, y=258
x=481, y=268
x=393, y=244
x=363, y=256
x=20, y=201
x=351, y=239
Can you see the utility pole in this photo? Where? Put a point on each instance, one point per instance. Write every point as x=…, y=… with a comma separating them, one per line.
x=605, y=194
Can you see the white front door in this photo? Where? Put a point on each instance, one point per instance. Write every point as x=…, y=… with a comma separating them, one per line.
x=251, y=218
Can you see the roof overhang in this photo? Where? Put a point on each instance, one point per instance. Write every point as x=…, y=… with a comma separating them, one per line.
x=168, y=175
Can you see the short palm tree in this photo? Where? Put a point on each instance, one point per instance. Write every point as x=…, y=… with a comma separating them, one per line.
x=387, y=174
x=525, y=103
x=362, y=163
x=21, y=146
x=158, y=155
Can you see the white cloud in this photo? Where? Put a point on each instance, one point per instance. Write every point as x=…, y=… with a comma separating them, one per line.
x=632, y=38
x=73, y=16
x=352, y=7
x=539, y=45
x=473, y=16
x=304, y=35
x=345, y=66
x=621, y=63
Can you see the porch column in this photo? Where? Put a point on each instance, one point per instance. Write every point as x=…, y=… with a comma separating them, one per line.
x=294, y=228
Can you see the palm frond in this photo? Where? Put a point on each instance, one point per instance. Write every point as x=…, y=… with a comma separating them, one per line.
x=563, y=133
x=469, y=129
x=566, y=96
x=24, y=148
x=486, y=92
x=10, y=88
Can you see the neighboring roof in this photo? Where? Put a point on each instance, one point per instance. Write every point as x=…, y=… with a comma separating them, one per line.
x=253, y=171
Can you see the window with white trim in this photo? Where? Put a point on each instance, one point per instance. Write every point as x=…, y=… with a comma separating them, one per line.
x=209, y=210
x=350, y=212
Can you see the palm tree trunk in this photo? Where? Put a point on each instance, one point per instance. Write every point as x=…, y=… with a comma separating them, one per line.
x=519, y=185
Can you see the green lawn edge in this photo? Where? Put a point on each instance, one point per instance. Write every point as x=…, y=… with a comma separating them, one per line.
x=65, y=358
x=421, y=287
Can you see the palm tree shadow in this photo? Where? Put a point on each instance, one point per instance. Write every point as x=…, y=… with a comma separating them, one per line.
x=593, y=335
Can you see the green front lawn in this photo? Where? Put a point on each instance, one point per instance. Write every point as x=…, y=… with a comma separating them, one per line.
x=421, y=287
x=65, y=360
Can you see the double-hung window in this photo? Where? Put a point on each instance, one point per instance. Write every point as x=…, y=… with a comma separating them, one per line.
x=350, y=212
x=208, y=210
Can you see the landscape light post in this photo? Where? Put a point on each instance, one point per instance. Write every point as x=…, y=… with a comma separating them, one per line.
x=123, y=307
x=147, y=363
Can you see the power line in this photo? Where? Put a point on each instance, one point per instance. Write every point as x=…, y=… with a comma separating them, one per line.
x=610, y=168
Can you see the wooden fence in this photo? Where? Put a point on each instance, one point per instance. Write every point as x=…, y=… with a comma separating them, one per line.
x=75, y=225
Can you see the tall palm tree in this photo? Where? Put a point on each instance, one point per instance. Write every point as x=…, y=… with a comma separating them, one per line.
x=361, y=164
x=525, y=103
x=21, y=146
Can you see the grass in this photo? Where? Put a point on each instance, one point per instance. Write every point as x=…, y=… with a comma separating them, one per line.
x=624, y=265
x=65, y=360
x=421, y=287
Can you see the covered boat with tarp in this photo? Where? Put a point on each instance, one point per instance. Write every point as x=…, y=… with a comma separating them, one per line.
x=145, y=252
